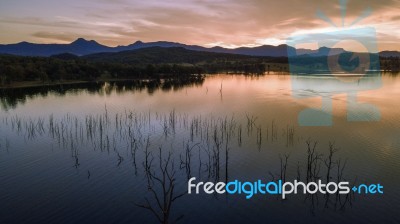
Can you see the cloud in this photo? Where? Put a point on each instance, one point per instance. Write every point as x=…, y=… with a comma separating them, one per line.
x=37, y=21
x=202, y=22
x=63, y=37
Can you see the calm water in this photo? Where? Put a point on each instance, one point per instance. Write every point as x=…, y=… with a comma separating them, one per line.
x=91, y=153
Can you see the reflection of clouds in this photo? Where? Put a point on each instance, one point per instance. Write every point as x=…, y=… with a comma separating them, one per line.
x=231, y=22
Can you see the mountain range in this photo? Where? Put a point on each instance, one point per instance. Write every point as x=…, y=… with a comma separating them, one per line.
x=81, y=47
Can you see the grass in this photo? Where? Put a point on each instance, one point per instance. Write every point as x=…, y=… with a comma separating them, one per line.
x=173, y=146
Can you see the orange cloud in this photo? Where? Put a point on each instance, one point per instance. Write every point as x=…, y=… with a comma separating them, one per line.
x=201, y=22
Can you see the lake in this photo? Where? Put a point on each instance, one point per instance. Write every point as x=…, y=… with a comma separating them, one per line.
x=109, y=152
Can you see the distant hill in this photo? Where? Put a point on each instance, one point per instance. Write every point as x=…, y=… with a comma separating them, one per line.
x=160, y=55
x=81, y=47
x=65, y=56
x=78, y=47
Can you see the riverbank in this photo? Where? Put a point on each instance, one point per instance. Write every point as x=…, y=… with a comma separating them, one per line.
x=27, y=84
x=30, y=84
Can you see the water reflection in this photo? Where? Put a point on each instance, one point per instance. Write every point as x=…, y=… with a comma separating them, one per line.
x=133, y=161
x=166, y=150
x=326, y=86
x=10, y=98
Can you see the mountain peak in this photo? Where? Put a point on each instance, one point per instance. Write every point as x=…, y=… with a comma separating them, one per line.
x=79, y=40
x=24, y=43
x=135, y=44
x=83, y=41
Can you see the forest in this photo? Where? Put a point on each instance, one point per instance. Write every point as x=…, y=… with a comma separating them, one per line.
x=152, y=63
x=128, y=65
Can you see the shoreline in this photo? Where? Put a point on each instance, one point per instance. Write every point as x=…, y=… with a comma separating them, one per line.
x=28, y=84
x=32, y=84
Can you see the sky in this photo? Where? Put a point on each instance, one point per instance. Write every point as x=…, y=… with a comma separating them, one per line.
x=227, y=23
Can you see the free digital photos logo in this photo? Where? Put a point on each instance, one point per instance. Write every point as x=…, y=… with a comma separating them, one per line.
x=343, y=71
x=249, y=189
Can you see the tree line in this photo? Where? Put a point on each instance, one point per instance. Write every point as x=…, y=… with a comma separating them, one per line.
x=52, y=69
x=18, y=69
x=390, y=64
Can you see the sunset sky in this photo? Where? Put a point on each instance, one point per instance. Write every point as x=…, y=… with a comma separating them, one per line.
x=228, y=23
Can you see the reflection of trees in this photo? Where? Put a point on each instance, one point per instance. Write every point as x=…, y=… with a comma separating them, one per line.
x=317, y=168
x=10, y=98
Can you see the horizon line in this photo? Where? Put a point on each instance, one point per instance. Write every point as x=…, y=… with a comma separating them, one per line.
x=174, y=42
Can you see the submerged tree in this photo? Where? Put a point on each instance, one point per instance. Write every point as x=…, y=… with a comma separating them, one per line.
x=163, y=179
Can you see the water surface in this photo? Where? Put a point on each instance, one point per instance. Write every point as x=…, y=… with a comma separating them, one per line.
x=90, y=153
